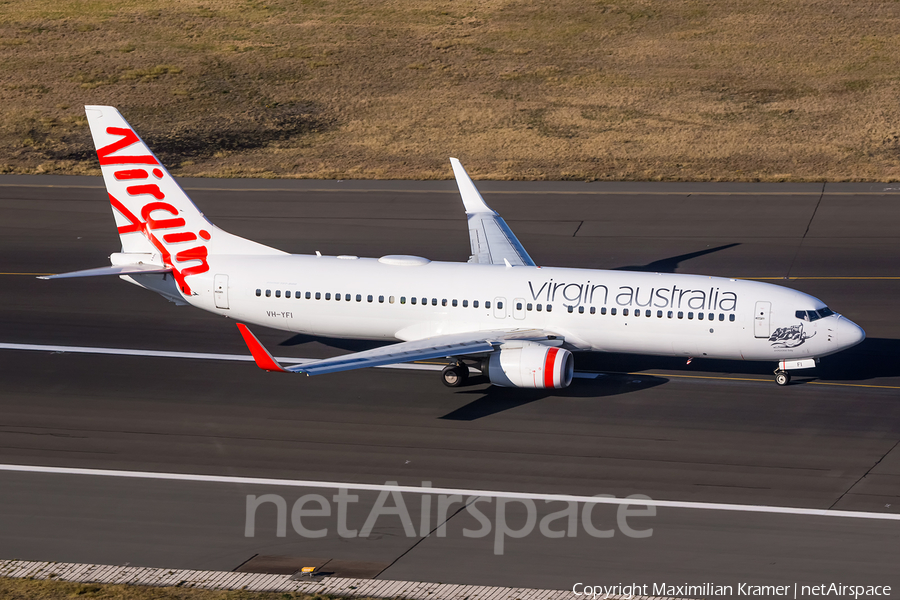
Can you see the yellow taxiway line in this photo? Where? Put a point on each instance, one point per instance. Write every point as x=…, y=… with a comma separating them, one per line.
x=721, y=378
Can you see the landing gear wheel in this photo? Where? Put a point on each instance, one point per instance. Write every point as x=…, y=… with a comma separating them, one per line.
x=454, y=375
x=782, y=377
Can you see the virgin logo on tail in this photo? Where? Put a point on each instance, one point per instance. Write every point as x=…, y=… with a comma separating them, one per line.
x=157, y=217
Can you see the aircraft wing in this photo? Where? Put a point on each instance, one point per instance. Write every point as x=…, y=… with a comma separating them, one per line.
x=443, y=346
x=492, y=241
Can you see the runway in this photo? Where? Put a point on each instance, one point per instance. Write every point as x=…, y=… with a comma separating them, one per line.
x=706, y=432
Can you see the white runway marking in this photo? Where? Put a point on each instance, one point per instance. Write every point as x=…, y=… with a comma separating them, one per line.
x=337, y=485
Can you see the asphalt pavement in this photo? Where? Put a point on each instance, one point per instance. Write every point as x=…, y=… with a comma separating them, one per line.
x=708, y=432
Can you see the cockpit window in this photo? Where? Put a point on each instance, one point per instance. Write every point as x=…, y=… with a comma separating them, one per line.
x=814, y=315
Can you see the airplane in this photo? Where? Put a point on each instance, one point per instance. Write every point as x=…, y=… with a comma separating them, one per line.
x=499, y=313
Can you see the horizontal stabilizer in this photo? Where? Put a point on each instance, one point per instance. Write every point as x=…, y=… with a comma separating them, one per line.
x=113, y=270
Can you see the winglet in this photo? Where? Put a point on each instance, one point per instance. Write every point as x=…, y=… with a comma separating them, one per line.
x=263, y=359
x=491, y=239
x=471, y=198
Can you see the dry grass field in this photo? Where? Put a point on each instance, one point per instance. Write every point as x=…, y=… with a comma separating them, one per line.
x=806, y=90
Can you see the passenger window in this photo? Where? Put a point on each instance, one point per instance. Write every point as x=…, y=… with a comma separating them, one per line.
x=670, y=315
x=539, y=307
x=690, y=315
x=307, y=296
x=297, y=295
x=434, y=301
x=487, y=303
x=359, y=298
x=268, y=293
x=370, y=298
x=455, y=303
x=402, y=299
x=571, y=308
x=700, y=316
x=731, y=317
x=328, y=295
x=424, y=301
x=465, y=304
x=278, y=293
x=287, y=294
x=612, y=311
x=337, y=297
x=529, y=306
x=318, y=295
x=444, y=302
x=499, y=305
x=625, y=312
x=581, y=310
x=549, y=307
x=413, y=300
x=603, y=310
x=593, y=310
x=259, y=292
x=474, y=303
x=712, y=317
x=680, y=314
x=390, y=300
x=518, y=306
x=721, y=316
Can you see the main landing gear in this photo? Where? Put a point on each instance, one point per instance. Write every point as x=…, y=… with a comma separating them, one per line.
x=455, y=375
x=782, y=377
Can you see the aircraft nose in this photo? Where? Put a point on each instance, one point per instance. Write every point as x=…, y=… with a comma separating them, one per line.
x=849, y=333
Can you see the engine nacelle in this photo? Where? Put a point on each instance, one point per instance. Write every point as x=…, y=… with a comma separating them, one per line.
x=531, y=366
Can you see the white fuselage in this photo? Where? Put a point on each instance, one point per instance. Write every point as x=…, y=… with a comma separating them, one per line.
x=405, y=298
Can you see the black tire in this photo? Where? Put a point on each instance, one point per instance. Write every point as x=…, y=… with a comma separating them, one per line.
x=454, y=375
x=782, y=378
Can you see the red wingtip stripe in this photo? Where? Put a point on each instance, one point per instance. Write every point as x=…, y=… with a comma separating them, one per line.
x=262, y=357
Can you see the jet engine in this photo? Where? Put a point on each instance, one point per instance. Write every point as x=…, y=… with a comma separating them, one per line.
x=531, y=366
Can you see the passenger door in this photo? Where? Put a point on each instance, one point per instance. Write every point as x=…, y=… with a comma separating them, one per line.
x=761, y=326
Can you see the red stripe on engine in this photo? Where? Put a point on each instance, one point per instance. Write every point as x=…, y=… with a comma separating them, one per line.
x=548, y=367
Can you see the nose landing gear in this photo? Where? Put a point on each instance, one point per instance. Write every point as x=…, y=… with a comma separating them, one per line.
x=782, y=377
